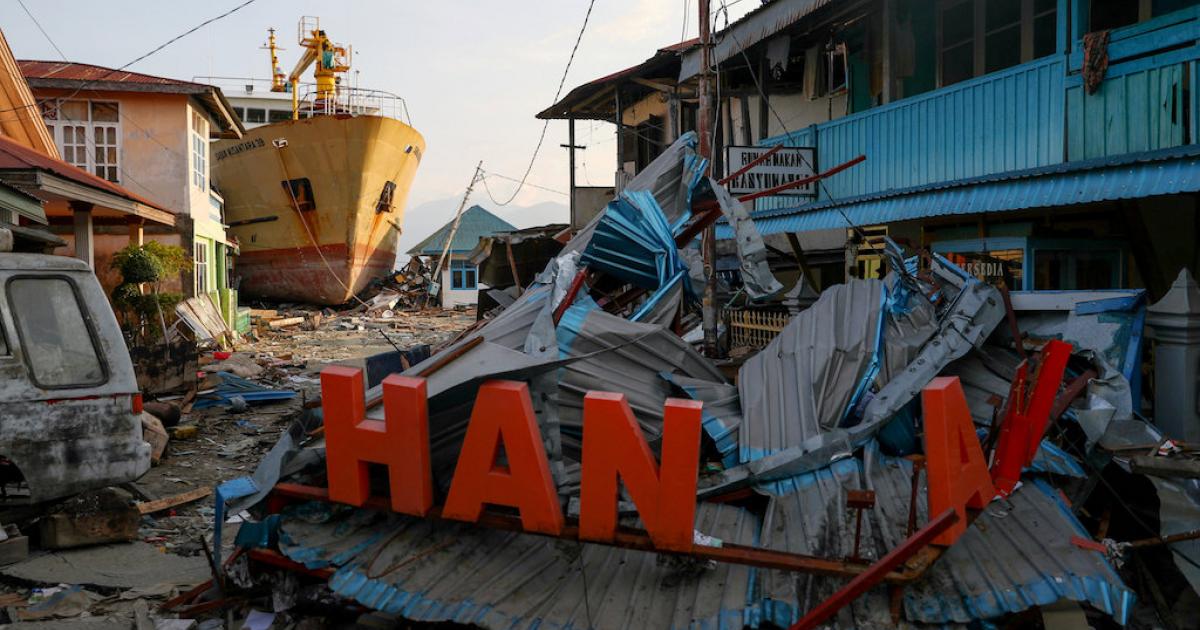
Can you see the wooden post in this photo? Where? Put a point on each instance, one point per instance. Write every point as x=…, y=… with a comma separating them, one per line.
x=709, y=240
x=137, y=227
x=437, y=271
x=85, y=248
x=571, y=166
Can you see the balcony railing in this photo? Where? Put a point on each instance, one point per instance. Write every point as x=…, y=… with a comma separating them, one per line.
x=1031, y=115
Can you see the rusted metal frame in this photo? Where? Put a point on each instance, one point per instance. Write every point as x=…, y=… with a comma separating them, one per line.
x=1011, y=315
x=1165, y=540
x=755, y=162
x=877, y=572
x=1070, y=393
x=512, y=266
x=628, y=538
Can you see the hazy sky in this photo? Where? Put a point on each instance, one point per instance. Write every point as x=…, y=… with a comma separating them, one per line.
x=473, y=73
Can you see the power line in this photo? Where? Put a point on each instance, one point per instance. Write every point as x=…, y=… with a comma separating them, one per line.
x=39, y=27
x=85, y=84
x=546, y=124
x=513, y=179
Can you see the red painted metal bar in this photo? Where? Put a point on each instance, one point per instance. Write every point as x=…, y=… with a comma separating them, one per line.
x=876, y=572
x=803, y=182
x=1070, y=393
x=627, y=538
x=755, y=162
x=276, y=559
x=572, y=291
x=708, y=213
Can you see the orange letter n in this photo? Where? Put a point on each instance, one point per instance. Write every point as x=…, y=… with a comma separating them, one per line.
x=613, y=446
x=401, y=442
x=503, y=417
x=958, y=473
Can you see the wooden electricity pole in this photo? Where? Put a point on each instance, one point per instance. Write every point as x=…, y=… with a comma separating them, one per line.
x=708, y=243
x=437, y=271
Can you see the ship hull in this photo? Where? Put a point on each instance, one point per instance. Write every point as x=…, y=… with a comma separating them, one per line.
x=324, y=236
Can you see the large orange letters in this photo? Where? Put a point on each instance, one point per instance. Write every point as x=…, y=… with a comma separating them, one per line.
x=613, y=446
x=353, y=441
x=503, y=417
x=958, y=473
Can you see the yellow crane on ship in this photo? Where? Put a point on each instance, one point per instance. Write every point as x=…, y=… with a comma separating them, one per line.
x=330, y=59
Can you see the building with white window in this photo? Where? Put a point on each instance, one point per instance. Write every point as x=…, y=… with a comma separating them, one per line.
x=150, y=135
x=459, y=279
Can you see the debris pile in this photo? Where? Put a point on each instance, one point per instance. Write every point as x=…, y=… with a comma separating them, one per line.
x=817, y=451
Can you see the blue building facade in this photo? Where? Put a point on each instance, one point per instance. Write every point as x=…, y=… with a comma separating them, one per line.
x=1050, y=142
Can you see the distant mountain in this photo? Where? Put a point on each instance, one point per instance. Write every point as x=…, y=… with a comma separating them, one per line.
x=421, y=220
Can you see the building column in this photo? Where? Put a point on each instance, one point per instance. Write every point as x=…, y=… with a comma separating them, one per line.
x=137, y=230
x=85, y=249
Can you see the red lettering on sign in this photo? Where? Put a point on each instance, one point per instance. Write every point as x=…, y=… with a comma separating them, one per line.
x=401, y=441
x=613, y=446
x=503, y=418
x=958, y=473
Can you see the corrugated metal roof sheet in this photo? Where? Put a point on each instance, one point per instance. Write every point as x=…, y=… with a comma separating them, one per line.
x=443, y=571
x=1016, y=555
x=752, y=28
x=1165, y=172
x=476, y=223
x=73, y=71
x=14, y=156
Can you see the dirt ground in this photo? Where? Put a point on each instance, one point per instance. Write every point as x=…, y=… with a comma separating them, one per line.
x=227, y=444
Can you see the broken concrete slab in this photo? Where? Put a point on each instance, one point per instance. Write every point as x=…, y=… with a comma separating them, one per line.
x=113, y=566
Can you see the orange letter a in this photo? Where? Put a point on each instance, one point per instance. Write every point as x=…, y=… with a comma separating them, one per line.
x=958, y=473
x=613, y=445
x=503, y=416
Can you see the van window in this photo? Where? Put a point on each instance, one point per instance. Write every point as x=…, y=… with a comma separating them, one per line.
x=55, y=338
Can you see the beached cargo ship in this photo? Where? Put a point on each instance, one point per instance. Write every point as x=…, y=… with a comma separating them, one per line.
x=316, y=200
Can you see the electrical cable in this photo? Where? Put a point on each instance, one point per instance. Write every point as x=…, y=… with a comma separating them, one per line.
x=487, y=174
x=141, y=58
x=546, y=124
x=39, y=27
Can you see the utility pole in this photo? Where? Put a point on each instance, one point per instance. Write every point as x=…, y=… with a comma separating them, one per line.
x=708, y=243
x=570, y=146
x=437, y=271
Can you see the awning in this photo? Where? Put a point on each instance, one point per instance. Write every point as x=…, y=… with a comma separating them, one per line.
x=23, y=204
x=751, y=29
x=1129, y=176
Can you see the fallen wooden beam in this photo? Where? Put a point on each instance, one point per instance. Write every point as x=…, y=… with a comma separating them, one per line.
x=285, y=322
x=158, y=505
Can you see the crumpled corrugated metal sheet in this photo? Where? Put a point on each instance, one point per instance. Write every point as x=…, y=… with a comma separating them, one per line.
x=634, y=242
x=631, y=357
x=672, y=177
x=798, y=386
x=757, y=278
x=1016, y=555
x=797, y=392
x=444, y=571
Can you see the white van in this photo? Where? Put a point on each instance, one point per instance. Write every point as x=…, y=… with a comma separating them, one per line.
x=70, y=411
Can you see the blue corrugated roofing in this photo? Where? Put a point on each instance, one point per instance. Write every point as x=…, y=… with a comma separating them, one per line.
x=476, y=223
x=1128, y=176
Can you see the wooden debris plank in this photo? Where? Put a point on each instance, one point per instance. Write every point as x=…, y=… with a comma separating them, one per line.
x=158, y=505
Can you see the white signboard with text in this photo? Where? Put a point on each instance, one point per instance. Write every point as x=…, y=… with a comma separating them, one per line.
x=785, y=165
